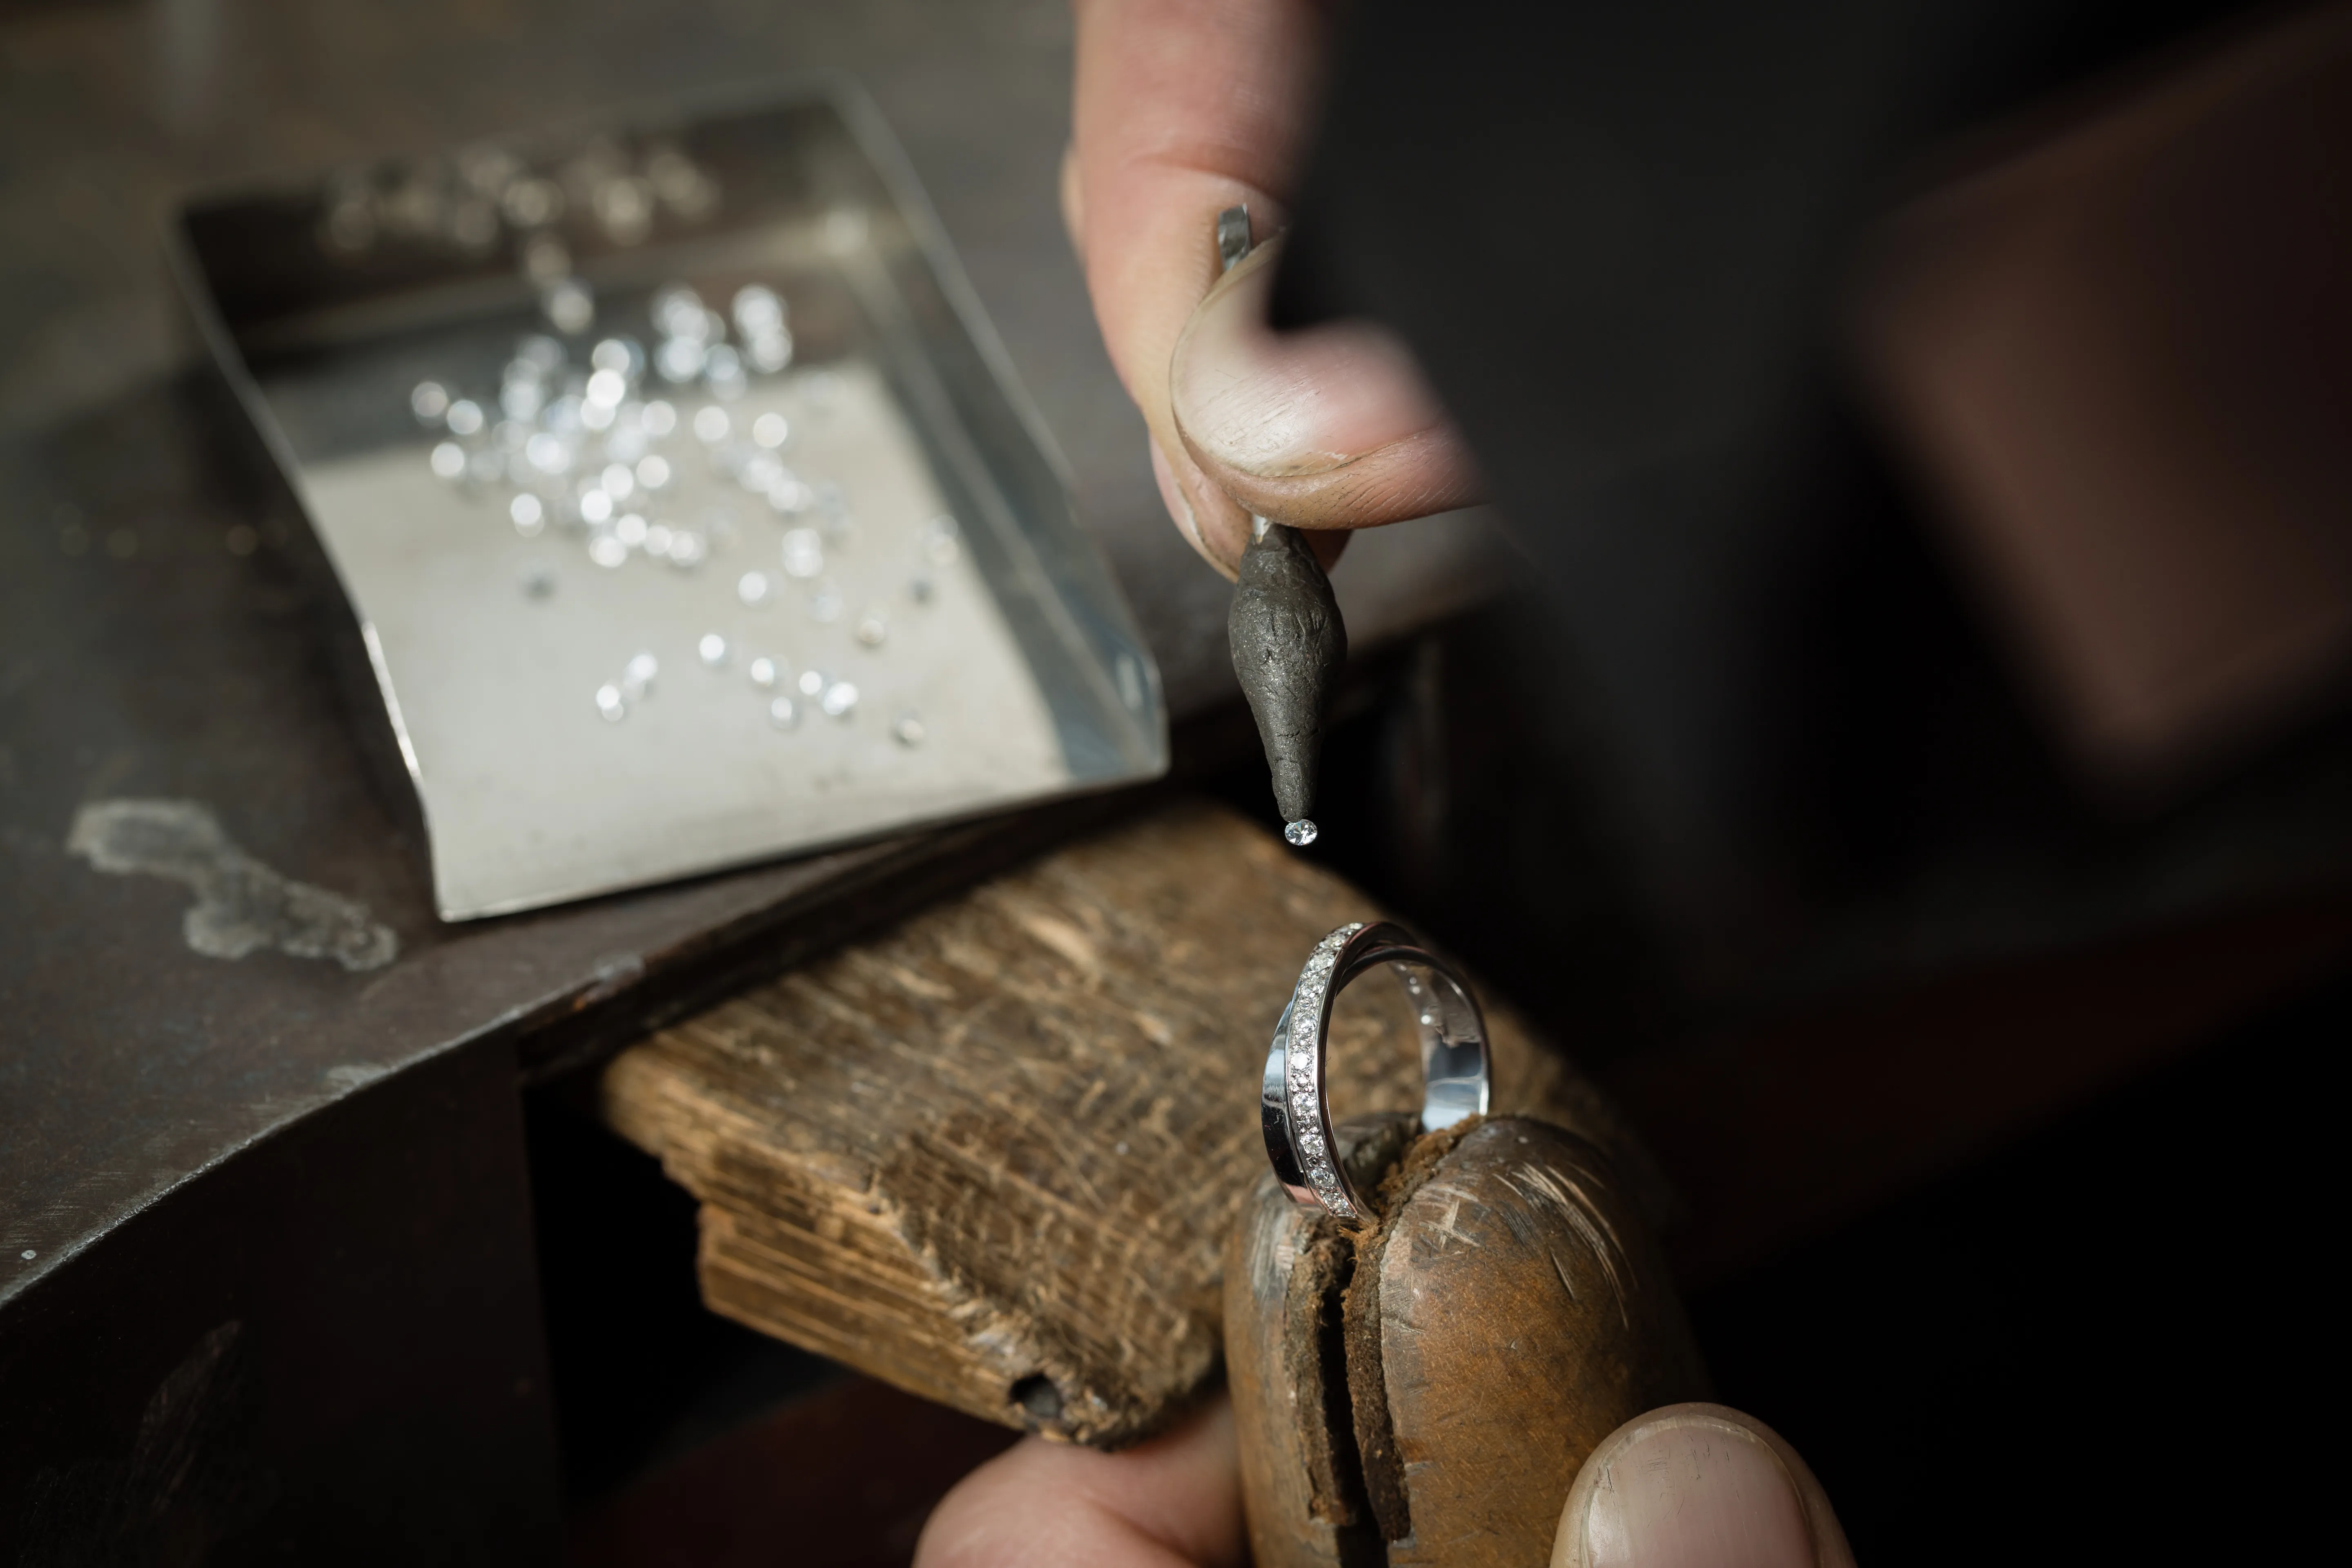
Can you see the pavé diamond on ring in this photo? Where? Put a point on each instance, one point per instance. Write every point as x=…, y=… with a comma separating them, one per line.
x=1457, y=1077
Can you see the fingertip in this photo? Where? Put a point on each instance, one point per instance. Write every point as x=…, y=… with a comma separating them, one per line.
x=1697, y=1486
x=1283, y=404
x=1328, y=543
x=1421, y=475
x=1332, y=427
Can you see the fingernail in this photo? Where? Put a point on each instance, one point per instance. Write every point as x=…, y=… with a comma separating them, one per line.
x=1696, y=1492
x=1284, y=406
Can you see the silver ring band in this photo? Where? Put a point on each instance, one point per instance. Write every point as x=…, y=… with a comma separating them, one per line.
x=1457, y=1072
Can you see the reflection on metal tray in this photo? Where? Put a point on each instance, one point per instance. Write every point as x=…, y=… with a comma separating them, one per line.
x=686, y=506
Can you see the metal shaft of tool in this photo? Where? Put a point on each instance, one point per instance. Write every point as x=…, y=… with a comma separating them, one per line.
x=1287, y=637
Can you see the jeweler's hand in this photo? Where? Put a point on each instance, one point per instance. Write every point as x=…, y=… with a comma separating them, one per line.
x=1168, y=1503
x=1690, y=1485
x=1185, y=108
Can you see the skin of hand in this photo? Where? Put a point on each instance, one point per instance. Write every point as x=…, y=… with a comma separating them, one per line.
x=1697, y=1486
x=1173, y=1501
x=1183, y=107
x=1688, y=1486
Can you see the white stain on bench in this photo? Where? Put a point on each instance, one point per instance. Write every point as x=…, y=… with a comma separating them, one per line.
x=242, y=906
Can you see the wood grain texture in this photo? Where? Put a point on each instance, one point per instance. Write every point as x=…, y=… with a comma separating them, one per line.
x=1525, y=1313
x=1510, y=1309
x=991, y=1155
x=1285, y=1269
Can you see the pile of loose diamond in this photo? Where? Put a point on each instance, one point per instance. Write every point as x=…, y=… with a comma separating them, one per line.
x=598, y=452
x=490, y=200
x=588, y=447
x=488, y=194
x=1307, y=1008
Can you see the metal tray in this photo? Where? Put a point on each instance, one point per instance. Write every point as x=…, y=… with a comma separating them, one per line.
x=862, y=498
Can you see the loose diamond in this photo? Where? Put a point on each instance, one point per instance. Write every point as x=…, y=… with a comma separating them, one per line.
x=638, y=675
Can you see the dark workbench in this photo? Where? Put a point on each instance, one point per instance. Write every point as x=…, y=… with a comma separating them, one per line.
x=268, y=1282
x=289, y=1199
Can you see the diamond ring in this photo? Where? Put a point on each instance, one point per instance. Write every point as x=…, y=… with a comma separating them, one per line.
x=1294, y=1110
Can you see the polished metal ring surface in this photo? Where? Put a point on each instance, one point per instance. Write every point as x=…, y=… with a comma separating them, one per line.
x=1294, y=1111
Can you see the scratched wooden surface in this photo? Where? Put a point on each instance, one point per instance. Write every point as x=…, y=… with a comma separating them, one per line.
x=1423, y=1392
x=991, y=1154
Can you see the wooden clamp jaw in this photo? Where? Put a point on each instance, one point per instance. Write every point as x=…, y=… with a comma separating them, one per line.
x=1424, y=1392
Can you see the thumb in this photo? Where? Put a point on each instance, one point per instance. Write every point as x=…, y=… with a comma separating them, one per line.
x=1697, y=1486
x=1328, y=427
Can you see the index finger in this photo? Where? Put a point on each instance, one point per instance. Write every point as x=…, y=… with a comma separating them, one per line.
x=1183, y=108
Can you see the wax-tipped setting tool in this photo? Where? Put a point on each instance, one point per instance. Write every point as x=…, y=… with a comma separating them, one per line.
x=1288, y=640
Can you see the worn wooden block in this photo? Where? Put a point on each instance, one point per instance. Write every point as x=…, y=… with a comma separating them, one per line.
x=1425, y=1390
x=991, y=1155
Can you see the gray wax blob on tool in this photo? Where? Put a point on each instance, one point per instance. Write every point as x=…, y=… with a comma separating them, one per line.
x=1288, y=643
